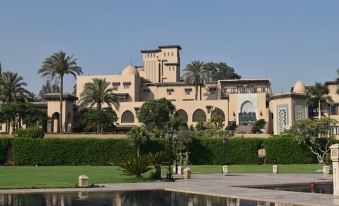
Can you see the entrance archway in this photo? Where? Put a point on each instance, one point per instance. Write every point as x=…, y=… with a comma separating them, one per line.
x=247, y=115
x=55, y=122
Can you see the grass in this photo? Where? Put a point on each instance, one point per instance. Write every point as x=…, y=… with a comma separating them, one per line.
x=66, y=176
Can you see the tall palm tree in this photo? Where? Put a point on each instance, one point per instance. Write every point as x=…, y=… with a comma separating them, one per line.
x=318, y=95
x=57, y=66
x=12, y=87
x=196, y=75
x=96, y=93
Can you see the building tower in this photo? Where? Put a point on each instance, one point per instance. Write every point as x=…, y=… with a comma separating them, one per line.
x=162, y=64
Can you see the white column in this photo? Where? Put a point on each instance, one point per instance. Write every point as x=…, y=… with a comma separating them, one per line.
x=335, y=162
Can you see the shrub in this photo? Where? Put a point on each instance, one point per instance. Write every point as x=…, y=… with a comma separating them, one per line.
x=258, y=126
x=136, y=166
x=5, y=145
x=71, y=151
x=284, y=150
x=31, y=132
x=237, y=151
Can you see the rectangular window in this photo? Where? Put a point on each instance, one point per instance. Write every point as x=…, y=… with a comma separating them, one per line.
x=213, y=90
x=188, y=91
x=126, y=85
x=333, y=110
x=116, y=85
x=170, y=91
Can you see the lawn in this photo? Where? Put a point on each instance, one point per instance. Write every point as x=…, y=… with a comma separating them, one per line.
x=66, y=176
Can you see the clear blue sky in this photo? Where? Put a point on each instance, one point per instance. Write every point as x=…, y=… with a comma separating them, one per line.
x=284, y=40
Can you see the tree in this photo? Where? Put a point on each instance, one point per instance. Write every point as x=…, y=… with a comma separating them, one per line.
x=16, y=114
x=99, y=120
x=220, y=71
x=49, y=87
x=96, y=93
x=195, y=74
x=155, y=113
x=176, y=123
x=258, y=126
x=318, y=96
x=12, y=87
x=57, y=66
x=315, y=134
x=137, y=136
x=157, y=160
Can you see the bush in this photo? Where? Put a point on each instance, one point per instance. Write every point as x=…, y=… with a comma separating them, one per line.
x=31, y=132
x=284, y=150
x=258, y=126
x=5, y=145
x=71, y=151
x=211, y=151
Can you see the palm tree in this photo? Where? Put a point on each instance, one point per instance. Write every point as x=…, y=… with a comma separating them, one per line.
x=318, y=95
x=195, y=74
x=137, y=137
x=96, y=93
x=57, y=66
x=12, y=87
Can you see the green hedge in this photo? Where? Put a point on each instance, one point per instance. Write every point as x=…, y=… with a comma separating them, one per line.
x=284, y=150
x=77, y=151
x=237, y=151
x=70, y=151
x=5, y=145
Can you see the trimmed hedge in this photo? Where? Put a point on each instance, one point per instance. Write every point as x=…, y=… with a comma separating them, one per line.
x=70, y=151
x=31, y=132
x=238, y=151
x=5, y=145
x=88, y=151
x=284, y=150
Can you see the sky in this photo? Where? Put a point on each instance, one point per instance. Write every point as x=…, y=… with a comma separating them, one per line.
x=285, y=41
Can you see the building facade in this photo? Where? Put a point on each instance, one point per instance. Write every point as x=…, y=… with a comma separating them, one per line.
x=241, y=102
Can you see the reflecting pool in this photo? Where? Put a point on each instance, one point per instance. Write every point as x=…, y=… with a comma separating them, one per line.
x=130, y=198
x=323, y=187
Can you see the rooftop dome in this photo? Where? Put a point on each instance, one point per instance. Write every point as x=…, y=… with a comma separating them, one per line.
x=130, y=70
x=299, y=87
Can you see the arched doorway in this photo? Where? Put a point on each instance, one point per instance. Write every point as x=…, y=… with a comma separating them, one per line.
x=183, y=114
x=247, y=115
x=199, y=116
x=127, y=117
x=55, y=122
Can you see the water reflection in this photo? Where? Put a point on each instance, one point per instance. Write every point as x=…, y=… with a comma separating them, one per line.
x=132, y=198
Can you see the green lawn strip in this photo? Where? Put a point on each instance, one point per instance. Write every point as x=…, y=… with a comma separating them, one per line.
x=67, y=176
x=294, y=168
x=58, y=176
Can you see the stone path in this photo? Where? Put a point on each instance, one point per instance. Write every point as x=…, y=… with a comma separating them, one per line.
x=226, y=186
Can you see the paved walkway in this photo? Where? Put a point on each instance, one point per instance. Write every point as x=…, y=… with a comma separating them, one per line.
x=226, y=186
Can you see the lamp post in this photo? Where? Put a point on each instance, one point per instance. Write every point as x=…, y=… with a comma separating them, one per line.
x=225, y=167
x=175, y=142
x=169, y=176
x=224, y=141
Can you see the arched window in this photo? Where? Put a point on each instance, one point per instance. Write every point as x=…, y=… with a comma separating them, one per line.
x=127, y=117
x=218, y=113
x=247, y=107
x=199, y=116
x=181, y=113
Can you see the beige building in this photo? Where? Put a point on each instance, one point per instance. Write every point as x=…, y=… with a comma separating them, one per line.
x=240, y=101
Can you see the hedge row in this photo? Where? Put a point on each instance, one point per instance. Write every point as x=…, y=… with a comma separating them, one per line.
x=284, y=150
x=5, y=145
x=213, y=151
x=113, y=151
